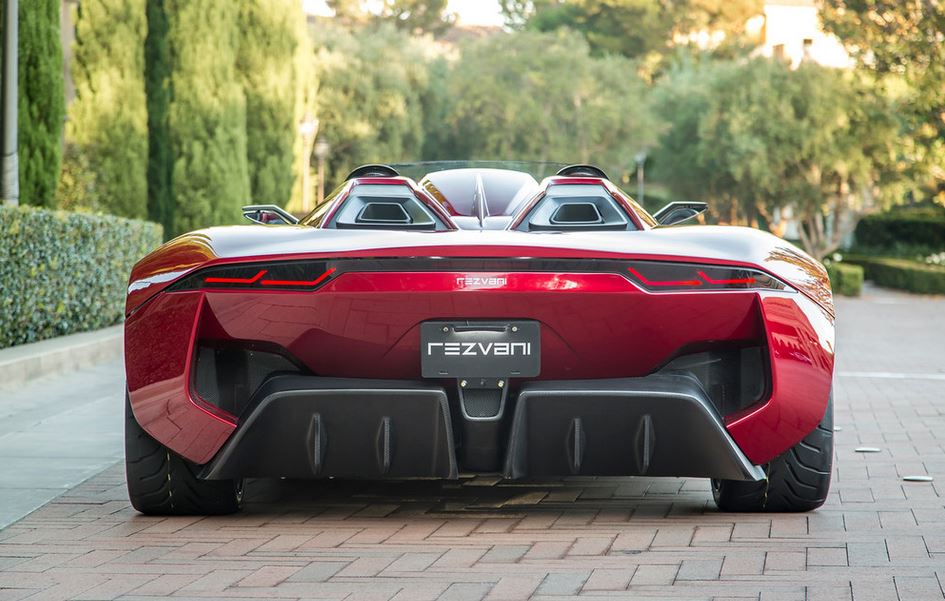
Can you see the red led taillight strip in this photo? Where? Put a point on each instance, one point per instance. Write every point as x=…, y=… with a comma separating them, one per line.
x=252, y=280
x=647, y=282
x=726, y=282
x=314, y=282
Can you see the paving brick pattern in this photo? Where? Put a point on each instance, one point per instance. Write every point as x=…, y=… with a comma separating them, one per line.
x=877, y=537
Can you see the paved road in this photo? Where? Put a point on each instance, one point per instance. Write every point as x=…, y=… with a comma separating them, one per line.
x=876, y=538
x=55, y=433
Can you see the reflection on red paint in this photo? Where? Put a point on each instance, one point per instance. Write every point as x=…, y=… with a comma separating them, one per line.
x=703, y=275
x=252, y=280
x=647, y=282
x=314, y=282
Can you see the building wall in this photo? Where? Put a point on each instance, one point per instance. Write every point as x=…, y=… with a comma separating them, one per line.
x=791, y=29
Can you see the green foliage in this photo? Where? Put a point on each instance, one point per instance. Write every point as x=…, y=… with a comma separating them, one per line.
x=157, y=72
x=902, y=39
x=752, y=137
x=65, y=272
x=411, y=16
x=846, y=280
x=207, y=114
x=418, y=16
x=543, y=97
x=41, y=101
x=903, y=274
x=270, y=37
x=899, y=232
x=370, y=102
x=633, y=28
x=108, y=119
x=77, y=182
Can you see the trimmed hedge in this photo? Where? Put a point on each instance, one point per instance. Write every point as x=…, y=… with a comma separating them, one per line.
x=904, y=231
x=63, y=272
x=903, y=274
x=846, y=280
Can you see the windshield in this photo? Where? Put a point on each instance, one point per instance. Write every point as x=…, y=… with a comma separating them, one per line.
x=537, y=169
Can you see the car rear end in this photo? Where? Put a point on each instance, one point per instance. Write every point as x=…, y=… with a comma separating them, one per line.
x=490, y=352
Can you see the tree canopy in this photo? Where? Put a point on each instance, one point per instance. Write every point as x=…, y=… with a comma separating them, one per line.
x=543, y=97
x=632, y=28
x=754, y=137
x=370, y=102
x=412, y=16
x=904, y=41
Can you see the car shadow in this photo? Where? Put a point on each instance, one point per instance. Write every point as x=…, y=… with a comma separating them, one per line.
x=479, y=496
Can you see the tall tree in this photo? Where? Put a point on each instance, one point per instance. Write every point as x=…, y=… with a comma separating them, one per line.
x=902, y=40
x=752, y=137
x=108, y=120
x=157, y=70
x=633, y=28
x=207, y=114
x=543, y=97
x=41, y=104
x=419, y=16
x=370, y=102
x=270, y=37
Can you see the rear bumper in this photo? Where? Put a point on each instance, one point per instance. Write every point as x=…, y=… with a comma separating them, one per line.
x=312, y=427
x=594, y=326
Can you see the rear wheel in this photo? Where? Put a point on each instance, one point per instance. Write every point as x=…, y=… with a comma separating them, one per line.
x=163, y=483
x=798, y=480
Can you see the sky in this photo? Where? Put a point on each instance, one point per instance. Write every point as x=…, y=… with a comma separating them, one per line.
x=469, y=12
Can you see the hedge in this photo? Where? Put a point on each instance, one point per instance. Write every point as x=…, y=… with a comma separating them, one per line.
x=908, y=231
x=63, y=272
x=846, y=280
x=903, y=274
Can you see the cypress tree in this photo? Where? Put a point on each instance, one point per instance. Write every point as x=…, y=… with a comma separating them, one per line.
x=157, y=68
x=207, y=114
x=41, y=104
x=270, y=37
x=108, y=120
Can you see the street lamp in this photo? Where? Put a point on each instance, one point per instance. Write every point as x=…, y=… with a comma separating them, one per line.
x=308, y=129
x=9, y=159
x=640, y=159
x=322, y=150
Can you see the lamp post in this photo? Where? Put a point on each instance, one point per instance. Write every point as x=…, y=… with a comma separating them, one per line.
x=308, y=129
x=9, y=160
x=322, y=150
x=640, y=159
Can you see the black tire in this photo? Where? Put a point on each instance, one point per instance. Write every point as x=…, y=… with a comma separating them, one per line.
x=163, y=483
x=798, y=480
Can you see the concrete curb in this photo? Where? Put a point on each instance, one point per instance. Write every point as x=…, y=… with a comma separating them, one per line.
x=20, y=364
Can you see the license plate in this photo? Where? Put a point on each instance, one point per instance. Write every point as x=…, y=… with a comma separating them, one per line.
x=480, y=349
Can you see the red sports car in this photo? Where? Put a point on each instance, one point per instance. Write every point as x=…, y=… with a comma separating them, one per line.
x=478, y=321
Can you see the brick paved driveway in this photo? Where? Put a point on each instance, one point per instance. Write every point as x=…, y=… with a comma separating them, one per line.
x=876, y=538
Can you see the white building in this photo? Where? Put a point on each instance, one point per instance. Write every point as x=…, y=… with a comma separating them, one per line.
x=791, y=29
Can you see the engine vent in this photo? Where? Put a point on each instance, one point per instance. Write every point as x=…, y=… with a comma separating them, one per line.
x=393, y=207
x=383, y=212
x=577, y=207
x=577, y=213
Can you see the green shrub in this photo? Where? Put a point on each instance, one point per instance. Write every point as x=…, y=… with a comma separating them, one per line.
x=846, y=280
x=65, y=272
x=903, y=274
x=903, y=232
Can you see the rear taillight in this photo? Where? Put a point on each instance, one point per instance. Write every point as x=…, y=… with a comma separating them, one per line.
x=657, y=276
x=293, y=275
x=308, y=275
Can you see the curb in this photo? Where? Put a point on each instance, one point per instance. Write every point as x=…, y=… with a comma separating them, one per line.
x=26, y=362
